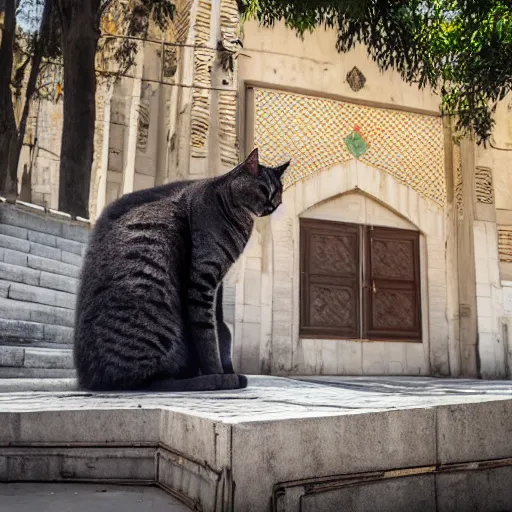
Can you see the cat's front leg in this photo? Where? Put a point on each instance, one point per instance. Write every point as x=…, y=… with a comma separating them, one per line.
x=224, y=334
x=201, y=315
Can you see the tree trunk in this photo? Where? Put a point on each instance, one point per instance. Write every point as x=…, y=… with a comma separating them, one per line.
x=8, y=132
x=79, y=42
x=37, y=58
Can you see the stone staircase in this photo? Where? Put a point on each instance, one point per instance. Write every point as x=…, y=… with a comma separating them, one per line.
x=40, y=256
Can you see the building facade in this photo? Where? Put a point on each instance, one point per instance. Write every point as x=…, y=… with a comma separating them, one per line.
x=392, y=251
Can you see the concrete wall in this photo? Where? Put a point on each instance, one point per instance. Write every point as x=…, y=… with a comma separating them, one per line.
x=277, y=58
x=470, y=316
x=45, y=175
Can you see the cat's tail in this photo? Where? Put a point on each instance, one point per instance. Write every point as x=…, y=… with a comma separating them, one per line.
x=217, y=382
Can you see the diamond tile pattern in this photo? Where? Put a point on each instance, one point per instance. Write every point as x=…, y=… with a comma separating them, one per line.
x=312, y=131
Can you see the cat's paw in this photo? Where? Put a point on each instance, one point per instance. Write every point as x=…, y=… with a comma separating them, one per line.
x=242, y=379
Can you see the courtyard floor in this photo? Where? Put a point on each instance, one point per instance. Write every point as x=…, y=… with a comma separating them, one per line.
x=304, y=444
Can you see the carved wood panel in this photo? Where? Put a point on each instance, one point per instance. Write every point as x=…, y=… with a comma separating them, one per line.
x=333, y=306
x=392, y=259
x=334, y=254
x=392, y=279
x=330, y=281
x=393, y=310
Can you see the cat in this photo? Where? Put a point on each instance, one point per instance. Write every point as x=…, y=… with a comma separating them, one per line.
x=149, y=303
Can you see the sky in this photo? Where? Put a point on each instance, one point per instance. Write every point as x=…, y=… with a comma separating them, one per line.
x=29, y=14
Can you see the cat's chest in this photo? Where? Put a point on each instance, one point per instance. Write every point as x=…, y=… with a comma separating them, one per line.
x=229, y=245
x=224, y=243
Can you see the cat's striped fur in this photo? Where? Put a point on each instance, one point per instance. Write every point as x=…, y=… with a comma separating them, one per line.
x=149, y=307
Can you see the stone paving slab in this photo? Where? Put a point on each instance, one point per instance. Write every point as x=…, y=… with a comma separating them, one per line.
x=36, y=497
x=274, y=398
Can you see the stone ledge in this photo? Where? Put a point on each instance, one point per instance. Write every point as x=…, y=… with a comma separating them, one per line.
x=21, y=332
x=193, y=482
x=36, y=313
x=38, y=218
x=44, y=211
x=47, y=265
x=78, y=497
x=274, y=432
x=35, y=357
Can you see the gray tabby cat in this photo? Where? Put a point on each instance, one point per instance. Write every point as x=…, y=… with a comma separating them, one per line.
x=149, y=305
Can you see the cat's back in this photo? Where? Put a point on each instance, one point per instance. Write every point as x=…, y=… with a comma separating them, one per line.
x=138, y=246
x=135, y=220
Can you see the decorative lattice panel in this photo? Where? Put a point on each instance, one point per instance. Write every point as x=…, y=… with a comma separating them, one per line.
x=227, y=100
x=201, y=96
x=505, y=243
x=318, y=133
x=483, y=185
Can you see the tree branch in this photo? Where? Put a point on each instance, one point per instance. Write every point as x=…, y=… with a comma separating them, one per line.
x=39, y=45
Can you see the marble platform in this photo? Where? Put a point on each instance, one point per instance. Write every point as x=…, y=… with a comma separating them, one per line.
x=287, y=445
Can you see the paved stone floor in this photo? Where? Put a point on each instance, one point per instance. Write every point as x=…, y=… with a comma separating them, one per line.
x=271, y=398
x=35, y=497
x=288, y=432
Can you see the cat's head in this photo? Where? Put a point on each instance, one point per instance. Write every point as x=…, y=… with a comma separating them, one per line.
x=256, y=187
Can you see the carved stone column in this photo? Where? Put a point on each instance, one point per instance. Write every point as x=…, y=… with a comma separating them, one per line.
x=465, y=199
x=100, y=196
x=133, y=125
x=202, y=124
x=452, y=167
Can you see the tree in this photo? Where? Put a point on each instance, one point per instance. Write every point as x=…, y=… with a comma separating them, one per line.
x=80, y=23
x=69, y=31
x=469, y=60
x=462, y=49
x=80, y=33
x=8, y=130
x=31, y=48
x=42, y=43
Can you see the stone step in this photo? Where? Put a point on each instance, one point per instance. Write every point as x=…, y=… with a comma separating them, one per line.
x=36, y=373
x=36, y=294
x=20, y=385
x=39, y=313
x=22, y=259
x=43, y=223
x=57, y=242
x=41, y=250
x=31, y=357
x=22, y=331
x=24, y=275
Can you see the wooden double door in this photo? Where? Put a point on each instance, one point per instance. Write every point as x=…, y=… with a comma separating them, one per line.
x=359, y=282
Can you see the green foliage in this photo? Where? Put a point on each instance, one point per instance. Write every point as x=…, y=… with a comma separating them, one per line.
x=471, y=60
x=462, y=48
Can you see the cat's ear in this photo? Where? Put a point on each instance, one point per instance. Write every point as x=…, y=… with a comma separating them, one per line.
x=279, y=171
x=252, y=163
